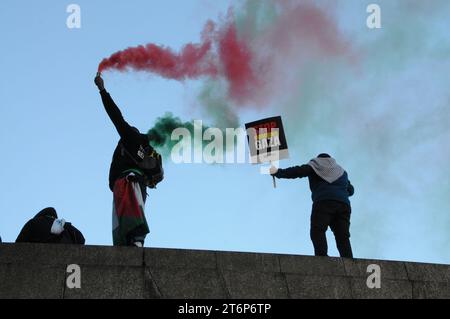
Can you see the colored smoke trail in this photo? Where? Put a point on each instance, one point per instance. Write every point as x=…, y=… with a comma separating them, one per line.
x=250, y=62
x=243, y=59
x=193, y=61
x=221, y=54
x=161, y=133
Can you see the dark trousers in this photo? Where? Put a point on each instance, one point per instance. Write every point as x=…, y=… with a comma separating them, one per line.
x=335, y=215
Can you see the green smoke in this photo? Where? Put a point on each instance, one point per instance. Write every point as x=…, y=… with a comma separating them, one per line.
x=161, y=133
x=255, y=16
x=216, y=106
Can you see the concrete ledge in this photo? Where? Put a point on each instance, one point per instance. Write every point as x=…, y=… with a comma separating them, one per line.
x=318, y=287
x=303, y=265
x=111, y=282
x=189, y=284
x=40, y=271
x=390, y=289
x=248, y=262
x=19, y=281
x=391, y=269
x=66, y=255
x=171, y=258
x=428, y=272
x=431, y=290
x=256, y=285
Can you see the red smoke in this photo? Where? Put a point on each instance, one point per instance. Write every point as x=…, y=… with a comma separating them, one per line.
x=192, y=62
x=236, y=60
x=221, y=54
x=255, y=65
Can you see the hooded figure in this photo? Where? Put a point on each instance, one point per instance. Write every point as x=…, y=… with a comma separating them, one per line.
x=127, y=179
x=46, y=228
x=331, y=189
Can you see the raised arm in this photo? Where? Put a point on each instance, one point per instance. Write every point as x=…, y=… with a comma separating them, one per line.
x=293, y=172
x=123, y=128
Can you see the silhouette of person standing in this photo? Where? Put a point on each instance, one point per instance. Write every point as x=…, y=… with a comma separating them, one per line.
x=331, y=190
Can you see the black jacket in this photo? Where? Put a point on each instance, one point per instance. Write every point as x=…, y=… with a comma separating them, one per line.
x=38, y=230
x=130, y=139
x=340, y=190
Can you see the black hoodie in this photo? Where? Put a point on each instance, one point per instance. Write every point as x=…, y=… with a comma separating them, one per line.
x=38, y=230
x=130, y=139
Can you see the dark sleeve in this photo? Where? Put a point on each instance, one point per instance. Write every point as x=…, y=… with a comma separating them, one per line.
x=125, y=131
x=76, y=236
x=294, y=172
x=37, y=230
x=24, y=235
x=350, y=189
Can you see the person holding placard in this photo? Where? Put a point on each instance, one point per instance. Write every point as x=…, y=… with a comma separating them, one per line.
x=331, y=190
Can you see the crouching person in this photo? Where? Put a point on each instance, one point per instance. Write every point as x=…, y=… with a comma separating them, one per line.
x=46, y=228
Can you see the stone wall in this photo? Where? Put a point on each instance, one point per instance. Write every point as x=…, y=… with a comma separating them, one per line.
x=40, y=271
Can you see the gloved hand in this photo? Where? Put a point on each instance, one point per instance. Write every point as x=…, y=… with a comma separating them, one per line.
x=58, y=226
x=273, y=170
x=99, y=82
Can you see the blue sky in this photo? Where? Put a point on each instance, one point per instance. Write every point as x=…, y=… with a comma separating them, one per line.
x=57, y=141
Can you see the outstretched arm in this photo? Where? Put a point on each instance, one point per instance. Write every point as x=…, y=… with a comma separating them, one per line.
x=123, y=128
x=294, y=172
